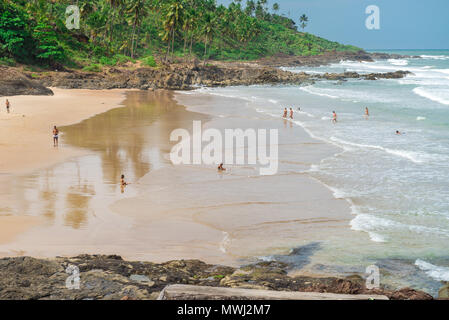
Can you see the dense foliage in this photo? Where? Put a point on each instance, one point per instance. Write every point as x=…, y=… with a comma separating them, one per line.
x=116, y=31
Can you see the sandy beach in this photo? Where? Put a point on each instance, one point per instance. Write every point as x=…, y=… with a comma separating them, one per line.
x=167, y=212
x=26, y=140
x=26, y=132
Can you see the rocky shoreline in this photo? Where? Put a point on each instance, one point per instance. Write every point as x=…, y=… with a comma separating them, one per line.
x=112, y=278
x=187, y=76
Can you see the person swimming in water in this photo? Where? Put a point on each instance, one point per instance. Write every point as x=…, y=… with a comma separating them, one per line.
x=366, y=112
x=221, y=168
x=334, y=117
x=285, y=113
x=55, y=136
x=398, y=132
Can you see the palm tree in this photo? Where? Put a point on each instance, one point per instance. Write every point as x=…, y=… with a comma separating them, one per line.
x=116, y=6
x=137, y=9
x=173, y=17
x=303, y=20
x=207, y=30
x=276, y=7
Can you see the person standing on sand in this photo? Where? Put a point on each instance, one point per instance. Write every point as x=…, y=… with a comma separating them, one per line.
x=285, y=113
x=334, y=117
x=8, y=105
x=291, y=113
x=55, y=136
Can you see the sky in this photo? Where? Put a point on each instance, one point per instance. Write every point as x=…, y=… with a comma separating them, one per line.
x=404, y=24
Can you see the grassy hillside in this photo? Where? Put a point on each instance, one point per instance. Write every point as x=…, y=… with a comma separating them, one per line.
x=116, y=31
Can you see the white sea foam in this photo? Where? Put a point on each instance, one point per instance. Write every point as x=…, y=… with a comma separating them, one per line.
x=398, y=62
x=413, y=156
x=375, y=225
x=372, y=225
x=438, y=57
x=345, y=94
x=420, y=118
x=437, y=95
x=436, y=272
x=317, y=92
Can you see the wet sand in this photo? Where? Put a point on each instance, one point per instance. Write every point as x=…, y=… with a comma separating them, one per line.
x=173, y=212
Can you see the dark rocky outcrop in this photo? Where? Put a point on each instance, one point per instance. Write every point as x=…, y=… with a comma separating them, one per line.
x=14, y=83
x=177, y=77
x=111, y=277
x=371, y=76
x=185, y=76
x=283, y=60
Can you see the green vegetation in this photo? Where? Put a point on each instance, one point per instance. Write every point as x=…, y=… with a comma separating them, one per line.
x=93, y=68
x=149, y=61
x=115, y=32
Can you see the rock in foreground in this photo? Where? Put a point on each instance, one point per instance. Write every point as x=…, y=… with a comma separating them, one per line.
x=112, y=278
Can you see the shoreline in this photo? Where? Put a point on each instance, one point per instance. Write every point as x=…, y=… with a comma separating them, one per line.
x=304, y=273
x=224, y=236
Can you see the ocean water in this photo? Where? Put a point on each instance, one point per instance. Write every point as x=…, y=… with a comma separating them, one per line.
x=397, y=185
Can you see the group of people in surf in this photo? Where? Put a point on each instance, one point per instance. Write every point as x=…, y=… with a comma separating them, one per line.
x=334, y=116
x=286, y=113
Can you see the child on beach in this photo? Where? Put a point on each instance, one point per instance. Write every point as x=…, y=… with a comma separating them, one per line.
x=8, y=105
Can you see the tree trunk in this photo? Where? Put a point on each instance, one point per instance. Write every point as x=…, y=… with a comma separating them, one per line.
x=185, y=45
x=173, y=43
x=132, y=40
x=138, y=35
x=205, y=51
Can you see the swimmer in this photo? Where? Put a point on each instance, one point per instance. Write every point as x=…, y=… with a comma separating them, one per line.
x=366, y=112
x=334, y=117
x=398, y=132
x=220, y=167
